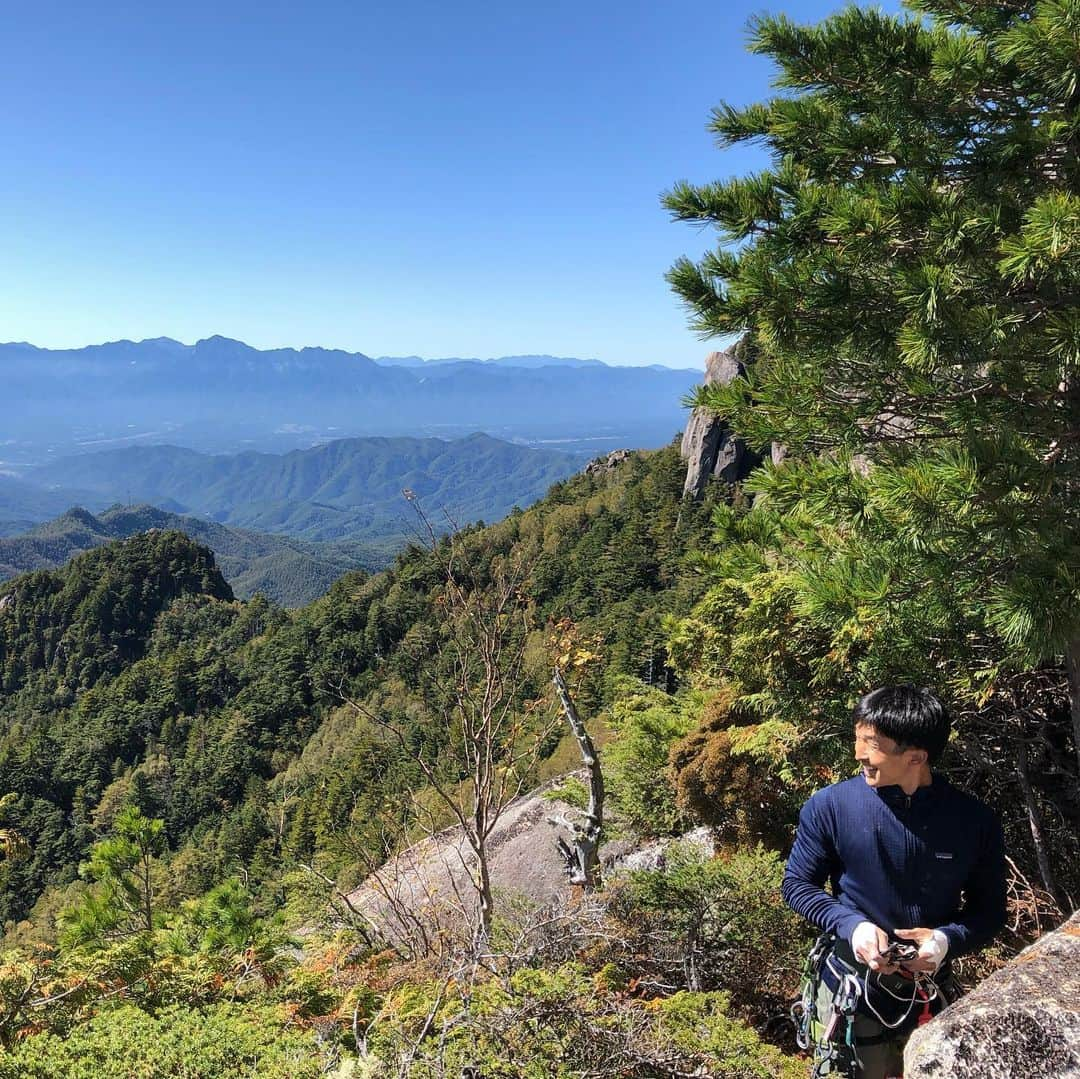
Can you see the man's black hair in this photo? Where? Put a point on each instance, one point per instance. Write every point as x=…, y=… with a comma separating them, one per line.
x=911, y=716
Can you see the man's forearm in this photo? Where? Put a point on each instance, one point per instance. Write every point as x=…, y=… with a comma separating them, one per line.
x=819, y=908
x=969, y=935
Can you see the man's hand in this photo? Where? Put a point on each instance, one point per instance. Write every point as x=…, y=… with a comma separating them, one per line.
x=933, y=945
x=868, y=942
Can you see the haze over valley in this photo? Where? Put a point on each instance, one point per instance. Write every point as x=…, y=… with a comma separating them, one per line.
x=221, y=395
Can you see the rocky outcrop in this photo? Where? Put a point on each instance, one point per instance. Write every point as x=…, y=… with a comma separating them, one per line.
x=425, y=893
x=709, y=446
x=1022, y=1021
x=608, y=463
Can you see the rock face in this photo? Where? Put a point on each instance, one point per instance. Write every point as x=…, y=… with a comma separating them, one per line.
x=425, y=892
x=708, y=445
x=608, y=463
x=1023, y=1021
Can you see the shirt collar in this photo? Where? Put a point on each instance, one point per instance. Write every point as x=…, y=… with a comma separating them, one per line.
x=895, y=796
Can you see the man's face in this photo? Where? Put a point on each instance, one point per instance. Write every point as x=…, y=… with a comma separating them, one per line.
x=884, y=763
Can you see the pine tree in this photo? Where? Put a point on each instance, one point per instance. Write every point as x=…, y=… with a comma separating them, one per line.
x=905, y=275
x=122, y=902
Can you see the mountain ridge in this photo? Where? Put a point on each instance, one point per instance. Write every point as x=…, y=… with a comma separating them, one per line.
x=220, y=341
x=343, y=489
x=290, y=572
x=221, y=394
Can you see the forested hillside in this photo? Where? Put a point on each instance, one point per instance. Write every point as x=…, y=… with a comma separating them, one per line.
x=132, y=676
x=288, y=571
x=347, y=488
x=147, y=710
x=195, y=774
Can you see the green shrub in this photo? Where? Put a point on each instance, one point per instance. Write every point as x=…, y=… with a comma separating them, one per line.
x=228, y=1041
x=707, y=923
x=562, y=1023
x=698, y=1023
x=647, y=723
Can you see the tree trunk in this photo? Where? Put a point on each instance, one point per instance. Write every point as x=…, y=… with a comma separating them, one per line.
x=483, y=893
x=583, y=859
x=690, y=969
x=1072, y=665
x=148, y=895
x=1035, y=824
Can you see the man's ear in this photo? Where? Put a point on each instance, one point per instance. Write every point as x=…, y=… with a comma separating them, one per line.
x=918, y=757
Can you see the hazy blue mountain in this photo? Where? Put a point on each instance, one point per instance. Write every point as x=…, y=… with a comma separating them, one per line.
x=289, y=571
x=221, y=395
x=525, y=362
x=347, y=489
x=23, y=505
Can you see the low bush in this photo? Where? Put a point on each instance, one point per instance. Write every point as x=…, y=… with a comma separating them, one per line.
x=708, y=923
x=228, y=1041
x=562, y=1023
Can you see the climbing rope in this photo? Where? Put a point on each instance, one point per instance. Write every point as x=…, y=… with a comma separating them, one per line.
x=923, y=987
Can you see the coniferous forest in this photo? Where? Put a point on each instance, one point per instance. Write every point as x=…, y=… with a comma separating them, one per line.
x=197, y=791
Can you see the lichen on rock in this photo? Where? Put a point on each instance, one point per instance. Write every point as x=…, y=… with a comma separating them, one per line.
x=1022, y=1021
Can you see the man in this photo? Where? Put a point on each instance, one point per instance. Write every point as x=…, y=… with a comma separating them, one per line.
x=909, y=859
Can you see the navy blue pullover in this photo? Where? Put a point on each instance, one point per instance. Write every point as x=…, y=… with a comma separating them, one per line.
x=935, y=859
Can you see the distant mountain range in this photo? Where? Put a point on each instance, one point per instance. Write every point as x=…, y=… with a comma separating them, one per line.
x=525, y=362
x=289, y=571
x=220, y=394
x=349, y=489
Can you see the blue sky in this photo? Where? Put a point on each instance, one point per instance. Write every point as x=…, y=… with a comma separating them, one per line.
x=470, y=179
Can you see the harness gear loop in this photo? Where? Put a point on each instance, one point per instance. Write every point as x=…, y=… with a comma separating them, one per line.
x=835, y=1052
x=803, y=1010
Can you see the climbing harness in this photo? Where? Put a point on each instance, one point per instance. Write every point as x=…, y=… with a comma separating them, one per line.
x=833, y=1039
x=803, y=1011
x=833, y=1047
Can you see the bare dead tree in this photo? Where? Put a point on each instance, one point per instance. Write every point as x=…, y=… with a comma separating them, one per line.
x=278, y=812
x=1031, y=808
x=1072, y=666
x=583, y=858
x=491, y=739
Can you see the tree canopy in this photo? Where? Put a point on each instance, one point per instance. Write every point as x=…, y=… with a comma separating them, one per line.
x=905, y=277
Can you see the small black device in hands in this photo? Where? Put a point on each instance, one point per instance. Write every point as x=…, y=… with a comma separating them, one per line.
x=900, y=952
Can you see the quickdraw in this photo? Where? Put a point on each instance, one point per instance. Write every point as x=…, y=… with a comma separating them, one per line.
x=803, y=1010
x=833, y=1055
x=835, y=1052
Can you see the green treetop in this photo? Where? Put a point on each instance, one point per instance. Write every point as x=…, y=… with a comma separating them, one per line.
x=905, y=275
x=122, y=902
